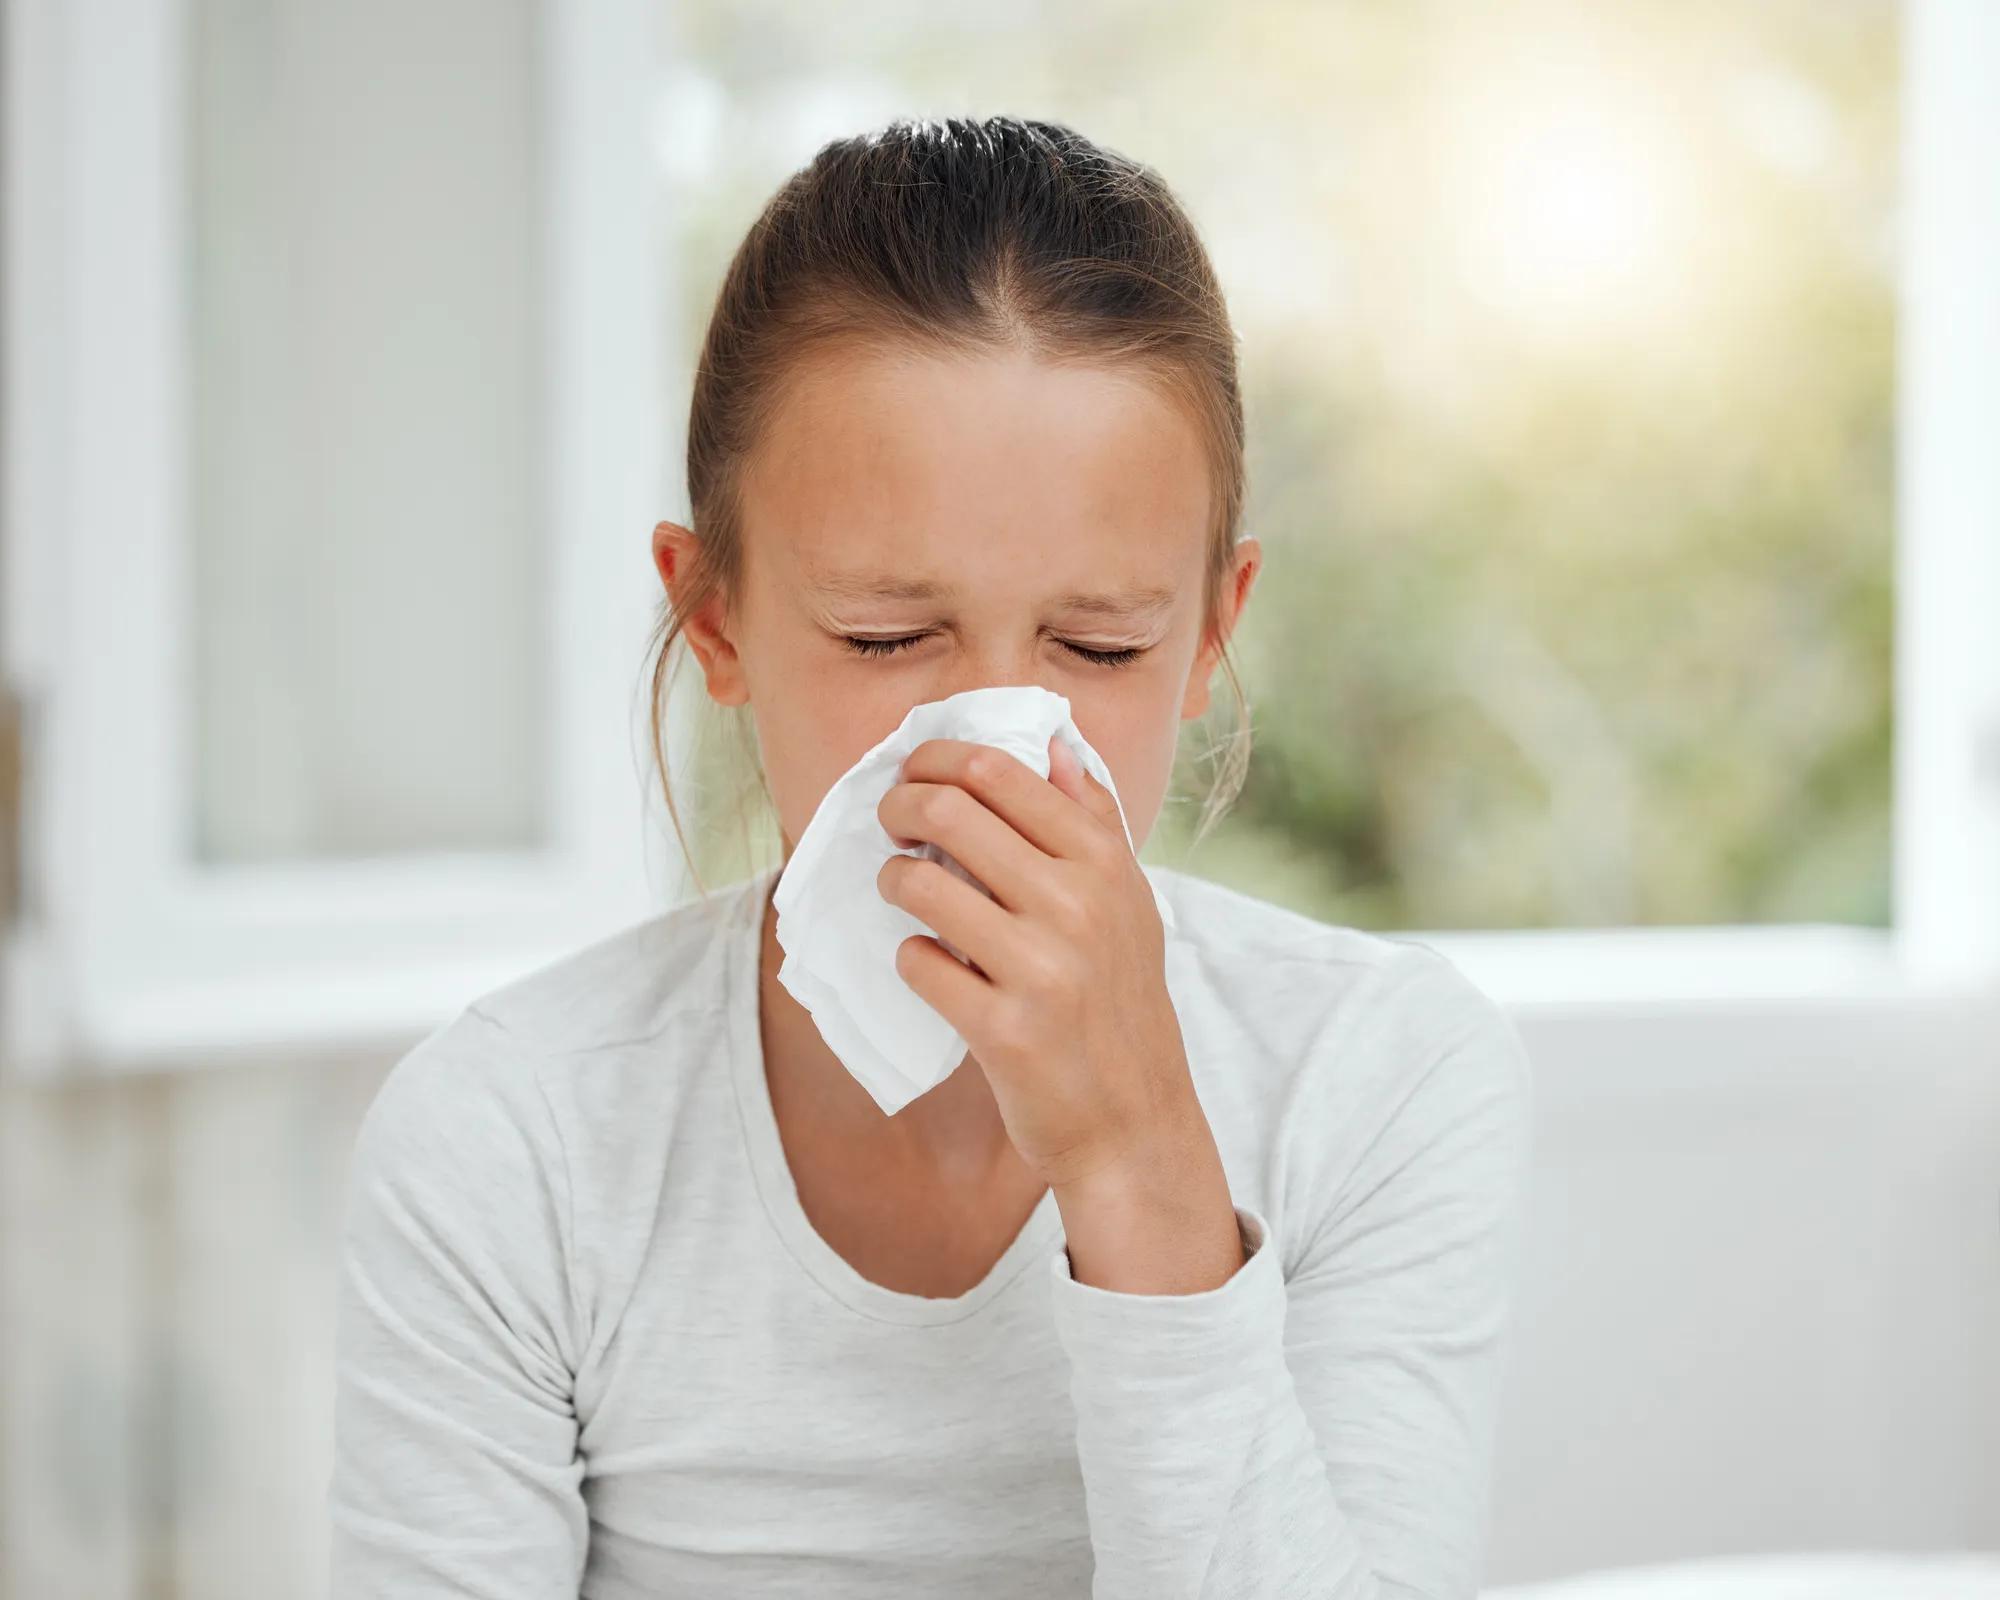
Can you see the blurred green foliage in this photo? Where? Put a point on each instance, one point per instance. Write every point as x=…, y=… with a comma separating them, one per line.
x=1568, y=349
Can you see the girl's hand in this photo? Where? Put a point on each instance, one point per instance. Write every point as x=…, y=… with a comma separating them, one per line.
x=1068, y=1011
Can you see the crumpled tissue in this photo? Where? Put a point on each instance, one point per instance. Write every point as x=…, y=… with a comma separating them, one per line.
x=840, y=936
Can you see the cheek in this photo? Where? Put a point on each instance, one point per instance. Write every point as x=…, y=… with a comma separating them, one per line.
x=821, y=731
x=1137, y=737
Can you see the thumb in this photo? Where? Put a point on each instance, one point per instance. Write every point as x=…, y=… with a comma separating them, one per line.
x=1065, y=771
x=1068, y=774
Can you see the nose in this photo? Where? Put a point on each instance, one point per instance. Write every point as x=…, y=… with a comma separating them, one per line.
x=990, y=672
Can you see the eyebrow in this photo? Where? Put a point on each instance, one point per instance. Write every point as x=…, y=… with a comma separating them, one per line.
x=1138, y=600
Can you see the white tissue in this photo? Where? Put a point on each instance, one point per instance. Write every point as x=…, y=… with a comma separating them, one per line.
x=840, y=936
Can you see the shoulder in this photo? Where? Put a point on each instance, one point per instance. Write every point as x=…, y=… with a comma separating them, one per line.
x=1271, y=962
x=460, y=1123
x=1345, y=1036
x=627, y=986
x=500, y=1091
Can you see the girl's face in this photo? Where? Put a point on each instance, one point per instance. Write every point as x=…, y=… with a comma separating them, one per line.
x=917, y=525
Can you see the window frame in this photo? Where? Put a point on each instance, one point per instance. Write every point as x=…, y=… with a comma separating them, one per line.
x=124, y=952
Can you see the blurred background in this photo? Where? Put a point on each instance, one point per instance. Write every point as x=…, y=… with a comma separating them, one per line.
x=1621, y=383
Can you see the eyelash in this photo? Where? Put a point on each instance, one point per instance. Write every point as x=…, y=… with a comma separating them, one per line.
x=884, y=647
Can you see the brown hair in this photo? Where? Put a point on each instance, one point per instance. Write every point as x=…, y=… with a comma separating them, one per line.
x=960, y=236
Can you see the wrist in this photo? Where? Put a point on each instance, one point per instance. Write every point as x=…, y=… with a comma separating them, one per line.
x=1158, y=1219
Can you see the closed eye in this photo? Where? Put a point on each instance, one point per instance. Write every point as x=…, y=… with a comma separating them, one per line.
x=885, y=647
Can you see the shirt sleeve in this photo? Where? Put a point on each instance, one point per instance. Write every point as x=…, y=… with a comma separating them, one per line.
x=456, y=1470
x=1326, y=1431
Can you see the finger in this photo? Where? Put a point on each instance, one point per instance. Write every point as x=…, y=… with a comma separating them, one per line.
x=1041, y=813
x=1065, y=770
x=946, y=984
x=962, y=825
x=1095, y=798
x=989, y=934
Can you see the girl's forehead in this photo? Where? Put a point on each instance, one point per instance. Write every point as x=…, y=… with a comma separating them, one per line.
x=1134, y=594
x=892, y=444
x=1116, y=578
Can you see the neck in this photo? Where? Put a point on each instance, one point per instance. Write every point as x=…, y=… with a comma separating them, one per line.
x=954, y=1129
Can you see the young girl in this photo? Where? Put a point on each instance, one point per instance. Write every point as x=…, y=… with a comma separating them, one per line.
x=1190, y=1280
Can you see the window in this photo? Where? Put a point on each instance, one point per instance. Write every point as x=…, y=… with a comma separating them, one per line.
x=1570, y=344
x=1621, y=427
x=333, y=446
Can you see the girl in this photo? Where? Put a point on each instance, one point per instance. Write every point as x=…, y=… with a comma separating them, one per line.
x=1190, y=1280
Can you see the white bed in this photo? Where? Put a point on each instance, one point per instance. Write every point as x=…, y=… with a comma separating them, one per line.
x=1818, y=1575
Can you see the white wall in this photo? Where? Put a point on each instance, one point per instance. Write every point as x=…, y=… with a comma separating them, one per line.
x=1762, y=1303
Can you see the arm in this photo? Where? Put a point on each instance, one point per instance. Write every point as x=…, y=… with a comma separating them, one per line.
x=455, y=1459
x=1325, y=1431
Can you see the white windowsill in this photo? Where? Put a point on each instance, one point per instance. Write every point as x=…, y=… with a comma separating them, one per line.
x=1794, y=966
x=386, y=1006
x=356, y=1006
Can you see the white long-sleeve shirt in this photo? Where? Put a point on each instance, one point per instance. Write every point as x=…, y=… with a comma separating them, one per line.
x=589, y=1342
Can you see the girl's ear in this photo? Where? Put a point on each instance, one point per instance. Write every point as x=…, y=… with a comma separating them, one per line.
x=673, y=548
x=1235, y=596
x=674, y=551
